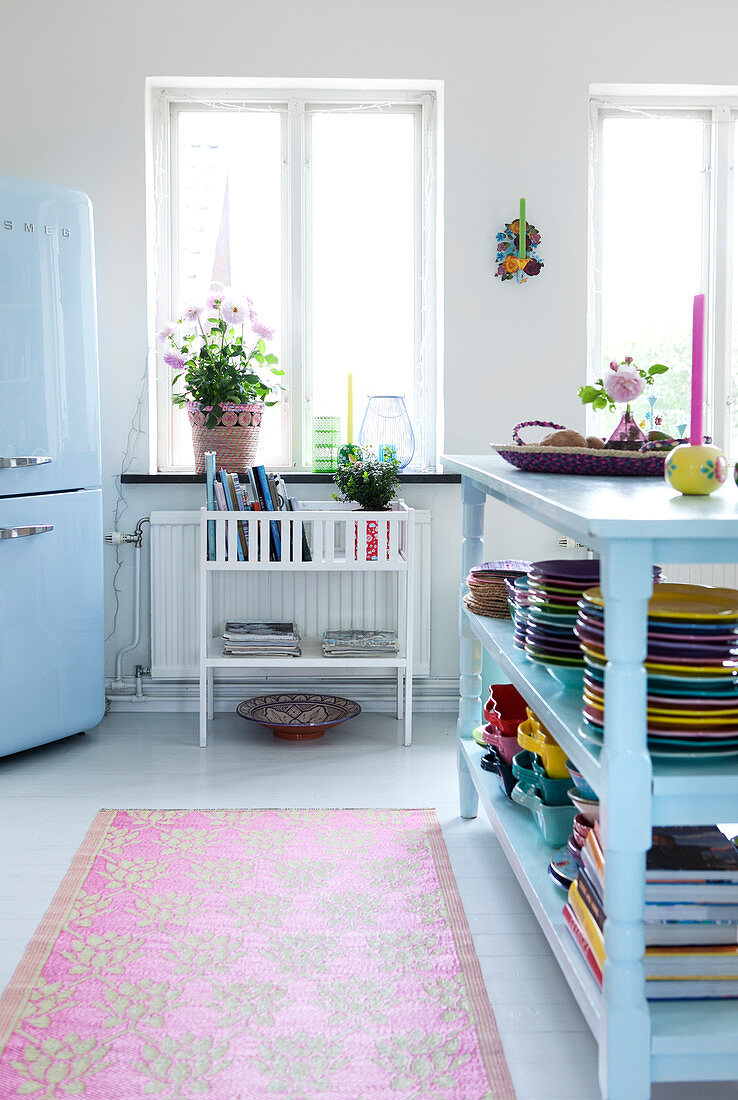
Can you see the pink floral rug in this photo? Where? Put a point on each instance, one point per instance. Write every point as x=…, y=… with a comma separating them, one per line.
x=248, y=954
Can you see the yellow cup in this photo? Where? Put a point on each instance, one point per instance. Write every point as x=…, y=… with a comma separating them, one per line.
x=696, y=470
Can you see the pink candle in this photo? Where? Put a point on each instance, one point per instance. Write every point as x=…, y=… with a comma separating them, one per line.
x=698, y=370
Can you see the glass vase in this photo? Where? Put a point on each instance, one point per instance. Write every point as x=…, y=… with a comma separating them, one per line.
x=386, y=428
x=326, y=437
x=627, y=436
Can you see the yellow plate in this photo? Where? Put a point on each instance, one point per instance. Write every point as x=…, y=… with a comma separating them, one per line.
x=714, y=716
x=683, y=670
x=684, y=601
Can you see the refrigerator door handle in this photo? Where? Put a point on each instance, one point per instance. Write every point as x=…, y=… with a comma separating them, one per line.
x=23, y=532
x=16, y=461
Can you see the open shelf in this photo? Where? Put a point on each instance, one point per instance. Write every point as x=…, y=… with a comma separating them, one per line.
x=685, y=792
x=529, y=857
x=679, y=1051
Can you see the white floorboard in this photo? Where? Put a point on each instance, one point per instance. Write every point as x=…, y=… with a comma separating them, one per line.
x=49, y=796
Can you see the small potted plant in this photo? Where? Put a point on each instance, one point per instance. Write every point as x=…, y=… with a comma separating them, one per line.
x=372, y=484
x=219, y=351
x=622, y=383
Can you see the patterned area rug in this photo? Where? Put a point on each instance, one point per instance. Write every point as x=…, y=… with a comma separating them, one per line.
x=249, y=954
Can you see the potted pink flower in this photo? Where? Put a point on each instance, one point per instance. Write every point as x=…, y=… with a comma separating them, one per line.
x=623, y=383
x=219, y=351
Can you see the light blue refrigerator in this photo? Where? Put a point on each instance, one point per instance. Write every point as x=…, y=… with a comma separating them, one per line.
x=52, y=681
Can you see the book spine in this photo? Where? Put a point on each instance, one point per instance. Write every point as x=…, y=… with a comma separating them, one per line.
x=266, y=496
x=243, y=533
x=210, y=498
x=231, y=503
x=220, y=497
x=589, y=924
x=577, y=933
x=590, y=898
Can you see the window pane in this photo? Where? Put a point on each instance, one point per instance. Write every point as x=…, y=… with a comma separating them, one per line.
x=651, y=255
x=363, y=259
x=228, y=219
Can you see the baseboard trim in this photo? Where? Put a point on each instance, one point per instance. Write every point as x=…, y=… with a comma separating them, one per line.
x=429, y=695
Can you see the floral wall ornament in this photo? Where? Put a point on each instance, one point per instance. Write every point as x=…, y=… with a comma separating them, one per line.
x=517, y=250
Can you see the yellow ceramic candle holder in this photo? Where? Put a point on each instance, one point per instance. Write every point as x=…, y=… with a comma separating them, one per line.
x=696, y=470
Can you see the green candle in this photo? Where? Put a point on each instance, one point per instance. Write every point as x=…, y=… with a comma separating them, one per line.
x=522, y=231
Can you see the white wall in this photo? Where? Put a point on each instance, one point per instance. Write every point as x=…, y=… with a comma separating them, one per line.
x=72, y=96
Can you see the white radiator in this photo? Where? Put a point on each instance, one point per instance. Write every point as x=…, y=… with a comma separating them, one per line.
x=314, y=601
x=723, y=575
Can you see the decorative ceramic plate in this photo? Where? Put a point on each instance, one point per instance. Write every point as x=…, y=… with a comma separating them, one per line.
x=684, y=601
x=298, y=717
x=726, y=668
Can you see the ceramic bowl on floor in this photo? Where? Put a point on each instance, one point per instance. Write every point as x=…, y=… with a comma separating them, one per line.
x=297, y=716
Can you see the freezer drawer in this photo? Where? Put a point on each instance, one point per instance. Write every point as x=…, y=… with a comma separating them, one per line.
x=52, y=679
x=48, y=341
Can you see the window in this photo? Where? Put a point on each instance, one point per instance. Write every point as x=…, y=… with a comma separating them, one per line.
x=321, y=206
x=662, y=181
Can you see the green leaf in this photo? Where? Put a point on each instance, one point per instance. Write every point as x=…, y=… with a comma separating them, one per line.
x=588, y=394
x=271, y=359
x=657, y=368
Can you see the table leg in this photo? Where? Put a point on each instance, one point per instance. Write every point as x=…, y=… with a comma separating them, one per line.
x=470, y=652
x=625, y=1052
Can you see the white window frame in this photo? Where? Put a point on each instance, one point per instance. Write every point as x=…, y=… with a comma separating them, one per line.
x=719, y=109
x=166, y=98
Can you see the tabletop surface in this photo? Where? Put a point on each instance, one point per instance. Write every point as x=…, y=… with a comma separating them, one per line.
x=605, y=507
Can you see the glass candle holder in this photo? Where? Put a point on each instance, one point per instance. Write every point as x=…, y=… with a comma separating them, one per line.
x=326, y=437
x=386, y=428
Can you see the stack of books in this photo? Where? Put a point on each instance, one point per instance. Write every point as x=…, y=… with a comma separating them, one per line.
x=359, y=643
x=251, y=639
x=691, y=916
x=265, y=493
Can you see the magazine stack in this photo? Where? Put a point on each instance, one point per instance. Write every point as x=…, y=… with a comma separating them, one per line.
x=691, y=915
x=359, y=643
x=254, y=639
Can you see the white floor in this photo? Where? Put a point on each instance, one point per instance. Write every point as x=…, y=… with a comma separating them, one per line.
x=48, y=797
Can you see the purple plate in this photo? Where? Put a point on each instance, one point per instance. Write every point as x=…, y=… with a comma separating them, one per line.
x=584, y=570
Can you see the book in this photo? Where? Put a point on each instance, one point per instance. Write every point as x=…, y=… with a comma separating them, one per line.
x=591, y=898
x=265, y=498
x=232, y=504
x=293, y=505
x=220, y=497
x=595, y=874
x=690, y=991
x=577, y=933
x=210, y=499
x=673, y=911
x=722, y=893
x=716, y=963
x=667, y=933
x=588, y=924
x=691, y=853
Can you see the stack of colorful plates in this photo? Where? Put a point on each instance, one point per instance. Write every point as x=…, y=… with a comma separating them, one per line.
x=487, y=592
x=692, y=665
x=517, y=599
x=554, y=590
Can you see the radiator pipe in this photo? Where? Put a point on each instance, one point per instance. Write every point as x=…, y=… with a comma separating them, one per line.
x=118, y=683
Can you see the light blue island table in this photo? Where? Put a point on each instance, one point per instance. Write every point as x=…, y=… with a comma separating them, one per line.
x=631, y=523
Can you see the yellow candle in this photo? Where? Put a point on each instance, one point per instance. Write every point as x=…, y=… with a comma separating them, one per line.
x=350, y=411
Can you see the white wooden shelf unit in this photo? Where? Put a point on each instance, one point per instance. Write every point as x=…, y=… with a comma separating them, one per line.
x=632, y=523
x=339, y=540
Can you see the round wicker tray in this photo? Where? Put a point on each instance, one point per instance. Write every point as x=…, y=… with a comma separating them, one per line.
x=593, y=462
